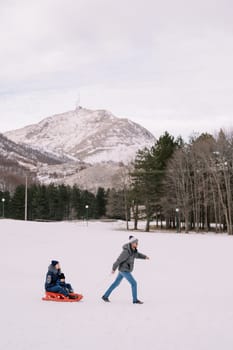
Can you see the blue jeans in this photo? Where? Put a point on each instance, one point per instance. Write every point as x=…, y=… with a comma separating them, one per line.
x=66, y=286
x=57, y=289
x=130, y=279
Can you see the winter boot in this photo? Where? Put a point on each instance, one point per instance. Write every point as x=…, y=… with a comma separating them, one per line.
x=105, y=299
x=137, y=302
x=72, y=297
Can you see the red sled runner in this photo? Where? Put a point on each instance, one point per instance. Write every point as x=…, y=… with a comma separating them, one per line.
x=49, y=296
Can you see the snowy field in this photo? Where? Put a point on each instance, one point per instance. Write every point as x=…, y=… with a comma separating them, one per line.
x=186, y=286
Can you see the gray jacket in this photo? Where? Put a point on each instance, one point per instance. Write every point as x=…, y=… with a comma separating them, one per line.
x=125, y=262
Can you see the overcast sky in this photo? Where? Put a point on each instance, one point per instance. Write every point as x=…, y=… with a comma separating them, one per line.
x=166, y=64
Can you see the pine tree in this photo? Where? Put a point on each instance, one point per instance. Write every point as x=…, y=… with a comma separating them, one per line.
x=17, y=204
x=115, y=204
x=100, y=201
x=76, y=202
x=149, y=172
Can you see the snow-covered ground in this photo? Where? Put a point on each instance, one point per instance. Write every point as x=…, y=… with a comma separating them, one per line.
x=186, y=286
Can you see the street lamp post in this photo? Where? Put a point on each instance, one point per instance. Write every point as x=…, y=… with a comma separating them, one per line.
x=26, y=199
x=87, y=206
x=3, y=208
x=177, y=220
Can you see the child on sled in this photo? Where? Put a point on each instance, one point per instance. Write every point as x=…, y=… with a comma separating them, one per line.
x=61, y=282
x=55, y=281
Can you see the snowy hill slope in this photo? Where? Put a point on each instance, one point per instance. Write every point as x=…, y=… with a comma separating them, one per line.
x=26, y=155
x=186, y=286
x=84, y=175
x=88, y=135
x=17, y=160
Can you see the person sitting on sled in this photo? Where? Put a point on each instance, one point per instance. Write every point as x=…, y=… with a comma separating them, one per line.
x=53, y=283
x=61, y=282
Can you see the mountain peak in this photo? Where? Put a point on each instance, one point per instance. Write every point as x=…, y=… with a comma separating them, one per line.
x=89, y=135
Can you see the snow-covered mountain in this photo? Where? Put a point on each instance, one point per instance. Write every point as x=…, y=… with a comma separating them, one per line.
x=17, y=160
x=92, y=136
x=26, y=155
x=84, y=147
x=85, y=175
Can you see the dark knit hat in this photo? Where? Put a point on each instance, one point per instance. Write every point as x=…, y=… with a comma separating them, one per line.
x=54, y=262
x=62, y=276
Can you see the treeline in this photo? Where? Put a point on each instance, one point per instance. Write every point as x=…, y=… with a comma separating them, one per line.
x=176, y=185
x=53, y=203
x=184, y=185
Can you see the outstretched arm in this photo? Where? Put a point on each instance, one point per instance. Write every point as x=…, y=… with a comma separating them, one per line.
x=141, y=256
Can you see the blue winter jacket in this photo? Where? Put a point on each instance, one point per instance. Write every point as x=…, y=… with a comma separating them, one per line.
x=52, y=276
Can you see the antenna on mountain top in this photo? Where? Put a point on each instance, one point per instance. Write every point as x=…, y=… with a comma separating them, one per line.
x=77, y=103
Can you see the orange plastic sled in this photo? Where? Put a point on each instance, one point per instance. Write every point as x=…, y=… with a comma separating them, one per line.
x=49, y=296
